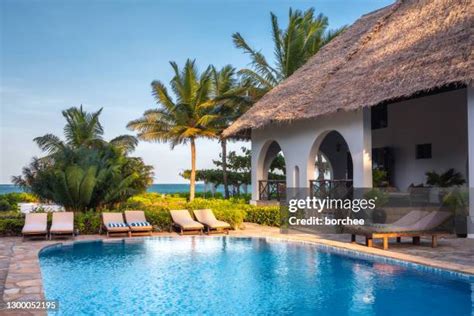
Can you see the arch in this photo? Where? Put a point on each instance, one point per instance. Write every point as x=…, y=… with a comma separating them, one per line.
x=267, y=154
x=337, y=150
x=265, y=189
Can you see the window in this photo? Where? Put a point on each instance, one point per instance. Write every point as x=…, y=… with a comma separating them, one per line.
x=423, y=151
x=379, y=116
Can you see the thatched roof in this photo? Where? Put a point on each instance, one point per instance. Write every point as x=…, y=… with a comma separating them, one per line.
x=409, y=47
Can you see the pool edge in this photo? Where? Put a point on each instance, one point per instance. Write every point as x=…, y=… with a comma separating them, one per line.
x=25, y=261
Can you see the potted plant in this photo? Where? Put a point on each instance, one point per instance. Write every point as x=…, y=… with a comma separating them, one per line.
x=379, y=178
x=449, y=179
x=458, y=202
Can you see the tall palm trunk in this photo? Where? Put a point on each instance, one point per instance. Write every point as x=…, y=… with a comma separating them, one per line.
x=192, y=184
x=224, y=167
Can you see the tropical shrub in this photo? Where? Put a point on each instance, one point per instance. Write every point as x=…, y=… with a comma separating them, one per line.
x=447, y=179
x=9, y=201
x=150, y=200
x=159, y=217
x=18, y=197
x=87, y=222
x=11, y=226
x=85, y=171
x=379, y=178
x=264, y=215
x=4, y=205
x=458, y=201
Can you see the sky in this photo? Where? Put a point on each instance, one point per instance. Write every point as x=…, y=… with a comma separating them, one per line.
x=104, y=54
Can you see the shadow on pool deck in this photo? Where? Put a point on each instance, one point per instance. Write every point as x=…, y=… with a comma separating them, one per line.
x=20, y=275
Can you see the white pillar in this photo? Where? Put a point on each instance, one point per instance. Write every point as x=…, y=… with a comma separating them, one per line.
x=470, y=137
x=256, y=171
x=361, y=151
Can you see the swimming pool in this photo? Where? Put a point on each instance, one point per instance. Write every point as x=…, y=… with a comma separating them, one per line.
x=240, y=276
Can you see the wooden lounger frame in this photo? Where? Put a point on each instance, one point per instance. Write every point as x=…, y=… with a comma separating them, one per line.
x=369, y=237
x=141, y=232
x=61, y=234
x=209, y=230
x=33, y=235
x=109, y=233
x=182, y=230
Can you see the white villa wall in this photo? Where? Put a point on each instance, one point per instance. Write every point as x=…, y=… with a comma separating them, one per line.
x=299, y=143
x=439, y=119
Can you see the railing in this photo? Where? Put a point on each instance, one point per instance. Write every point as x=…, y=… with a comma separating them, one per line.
x=272, y=190
x=333, y=189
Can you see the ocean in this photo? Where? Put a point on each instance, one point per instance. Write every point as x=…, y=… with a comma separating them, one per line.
x=160, y=188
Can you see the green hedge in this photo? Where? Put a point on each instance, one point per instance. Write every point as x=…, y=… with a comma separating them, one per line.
x=11, y=226
x=264, y=215
x=159, y=217
x=87, y=222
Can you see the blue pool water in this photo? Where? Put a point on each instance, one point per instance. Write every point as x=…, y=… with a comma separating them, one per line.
x=240, y=276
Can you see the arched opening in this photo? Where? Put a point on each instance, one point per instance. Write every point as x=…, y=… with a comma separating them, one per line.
x=323, y=168
x=332, y=167
x=272, y=179
x=335, y=157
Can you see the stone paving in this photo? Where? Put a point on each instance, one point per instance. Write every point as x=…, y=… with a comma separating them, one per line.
x=20, y=275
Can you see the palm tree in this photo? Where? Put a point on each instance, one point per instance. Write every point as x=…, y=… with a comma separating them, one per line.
x=184, y=119
x=293, y=46
x=84, y=171
x=82, y=129
x=229, y=103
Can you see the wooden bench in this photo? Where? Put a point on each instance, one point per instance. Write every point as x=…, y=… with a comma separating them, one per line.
x=385, y=236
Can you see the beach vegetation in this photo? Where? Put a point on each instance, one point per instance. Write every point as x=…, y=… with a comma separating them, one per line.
x=85, y=171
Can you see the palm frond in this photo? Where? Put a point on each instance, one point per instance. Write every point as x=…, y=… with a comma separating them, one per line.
x=127, y=143
x=49, y=143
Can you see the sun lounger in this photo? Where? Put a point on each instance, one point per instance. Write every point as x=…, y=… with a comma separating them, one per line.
x=114, y=224
x=36, y=224
x=137, y=222
x=184, y=222
x=210, y=222
x=63, y=224
x=415, y=224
